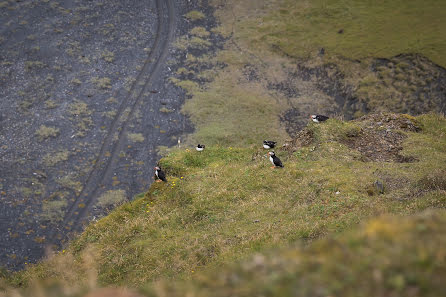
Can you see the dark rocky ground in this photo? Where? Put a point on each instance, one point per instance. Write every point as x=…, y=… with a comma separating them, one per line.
x=407, y=83
x=86, y=102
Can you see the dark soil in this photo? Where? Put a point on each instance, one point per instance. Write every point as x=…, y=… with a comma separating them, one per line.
x=381, y=138
x=98, y=74
x=413, y=84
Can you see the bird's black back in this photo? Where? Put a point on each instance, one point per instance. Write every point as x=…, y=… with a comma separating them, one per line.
x=277, y=161
x=162, y=175
x=321, y=118
x=269, y=143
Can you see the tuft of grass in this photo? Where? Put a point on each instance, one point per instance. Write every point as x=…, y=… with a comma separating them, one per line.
x=194, y=15
x=76, y=82
x=79, y=108
x=50, y=104
x=108, y=56
x=45, y=132
x=34, y=65
x=53, y=210
x=70, y=182
x=200, y=32
x=52, y=159
x=165, y=110
x=135, y=137
x=81, y=115
x=199, y=43
x=433, y=181
x=111, y=199
x=102, y=83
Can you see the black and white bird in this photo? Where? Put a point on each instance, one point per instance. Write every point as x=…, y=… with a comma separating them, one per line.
x=160, y=175
x=267, y=144
x=275, y=160
x=200, y=147
x=317, y=118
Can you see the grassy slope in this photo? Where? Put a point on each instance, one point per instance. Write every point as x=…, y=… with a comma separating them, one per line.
x=390, y=256
x=226, y=206
x=220, y=205
x=228, y=112
x=271, y=35
x=371, y=28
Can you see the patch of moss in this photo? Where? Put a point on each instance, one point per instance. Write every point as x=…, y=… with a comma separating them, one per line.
x=200, y=32
x=194, y=15
x=53, y=159
x=102, y=83
x=135, y=137
x=108, y=56
x=111, y=198
x=45, y=132
x=53, y=210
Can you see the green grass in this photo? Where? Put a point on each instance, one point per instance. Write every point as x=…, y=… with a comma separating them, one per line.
x=388, y=256
x=371, y=28
x=226, y=203
x=45, y=132
x=229, y=114
x=272, y=36
x=194, y=15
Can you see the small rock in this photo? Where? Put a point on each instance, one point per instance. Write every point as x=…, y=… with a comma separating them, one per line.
x=337, y=193
x=379, y=186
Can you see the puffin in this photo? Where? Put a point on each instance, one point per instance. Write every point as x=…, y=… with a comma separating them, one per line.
x=267, y=144
x=200, y=147
x=161, y=176
x=275, y=160
x=317, y=118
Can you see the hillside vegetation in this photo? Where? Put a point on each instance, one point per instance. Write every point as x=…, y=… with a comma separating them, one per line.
x=353, y=29
x=275, y=74
x=358, y=206
x=226, y=203
x=388, y=256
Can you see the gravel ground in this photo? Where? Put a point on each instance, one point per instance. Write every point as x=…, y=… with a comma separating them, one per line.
x=86, y=102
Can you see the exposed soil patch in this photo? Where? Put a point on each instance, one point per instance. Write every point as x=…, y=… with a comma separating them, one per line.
x=322, y=90
x=303, y=138
x=409, y=84
x=380, y=138
x=251, y=72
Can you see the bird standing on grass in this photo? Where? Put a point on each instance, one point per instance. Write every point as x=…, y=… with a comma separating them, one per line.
x=275, y=160
x=200, y=147
x=160, y=175
x=268, y=144
x=317, y=118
